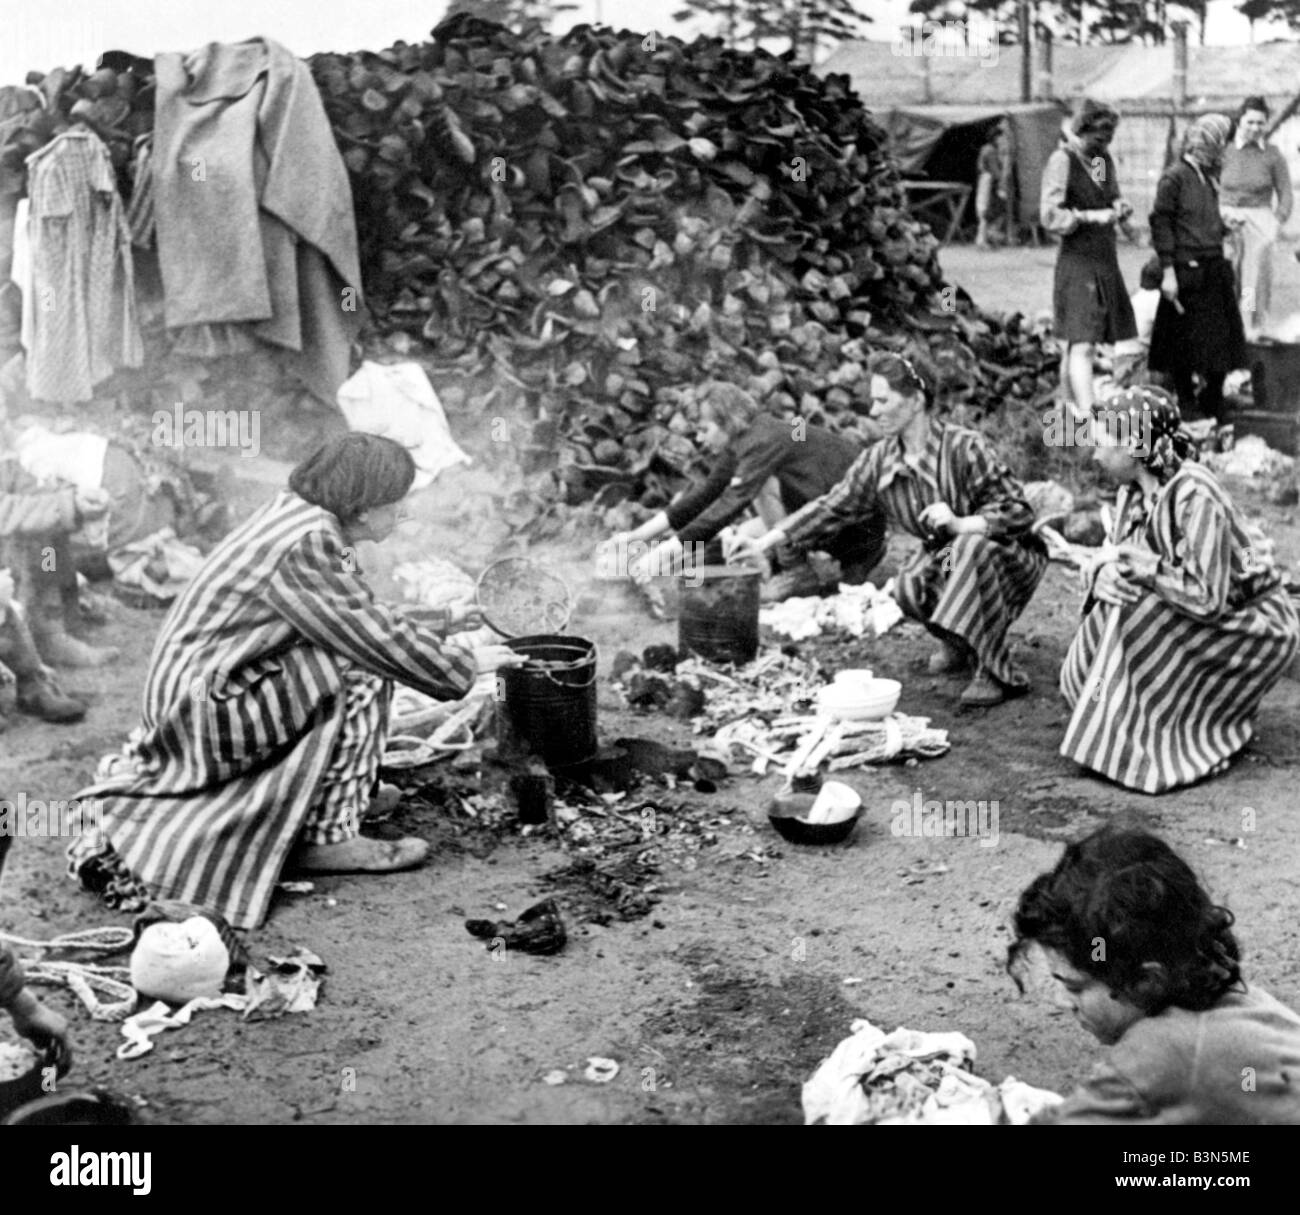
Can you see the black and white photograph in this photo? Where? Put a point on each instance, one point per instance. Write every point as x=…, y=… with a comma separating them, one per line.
x=680, y=563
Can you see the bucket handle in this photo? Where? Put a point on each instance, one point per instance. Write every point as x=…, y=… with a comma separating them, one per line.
x=560, y=684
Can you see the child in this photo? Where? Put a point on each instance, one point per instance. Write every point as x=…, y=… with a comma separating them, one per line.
x=1131, y=355
x=31, y=1018
x=1151, y=969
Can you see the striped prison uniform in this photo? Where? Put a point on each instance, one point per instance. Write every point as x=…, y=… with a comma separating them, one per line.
x=265, y=711
x=1164, y=690
x=964, y=588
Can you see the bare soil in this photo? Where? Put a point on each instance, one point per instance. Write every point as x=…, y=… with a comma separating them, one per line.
x=719, y=1002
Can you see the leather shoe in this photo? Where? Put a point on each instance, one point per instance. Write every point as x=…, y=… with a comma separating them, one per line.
x=61, y=649
x=983, y=691
x=41, y=697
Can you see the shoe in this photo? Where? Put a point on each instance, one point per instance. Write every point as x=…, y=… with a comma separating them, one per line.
x=983, y=691
x=361, y=854
x=61, y=649
x=538, y=930
x=948, y=659
x=41, y=697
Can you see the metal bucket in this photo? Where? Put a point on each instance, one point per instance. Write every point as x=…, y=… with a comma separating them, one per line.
x=547, y=707
x=718, y=617
x=1275, y=376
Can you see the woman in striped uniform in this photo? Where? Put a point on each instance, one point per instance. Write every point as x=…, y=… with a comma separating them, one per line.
x=946, y=485
x=266, y=704
x=1186, y=623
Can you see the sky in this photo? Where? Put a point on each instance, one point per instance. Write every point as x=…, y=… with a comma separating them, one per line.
x=41, y=34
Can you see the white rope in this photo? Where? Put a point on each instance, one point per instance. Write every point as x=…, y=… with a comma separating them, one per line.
x=109, y=939
x=106, y=991
x=89, y=983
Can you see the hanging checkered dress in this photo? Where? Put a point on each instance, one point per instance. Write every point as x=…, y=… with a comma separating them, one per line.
x=1165, y=690
x=969, y=588
x=261, y=704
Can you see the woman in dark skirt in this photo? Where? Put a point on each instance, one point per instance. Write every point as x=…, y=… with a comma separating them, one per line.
x=1081, y=203
x=1198, y=331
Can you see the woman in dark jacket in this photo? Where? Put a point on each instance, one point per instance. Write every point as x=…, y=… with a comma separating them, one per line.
x=1198, y=330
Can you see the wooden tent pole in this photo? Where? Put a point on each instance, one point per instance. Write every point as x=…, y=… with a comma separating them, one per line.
x=1291, y=108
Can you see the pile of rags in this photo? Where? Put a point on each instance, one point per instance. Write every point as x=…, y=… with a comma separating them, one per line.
x=912, y=1078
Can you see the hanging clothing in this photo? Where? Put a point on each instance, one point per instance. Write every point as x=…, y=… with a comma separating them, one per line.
x=82, y=304
x=252, y=206
x=1089, y=299
x=969, y=587
x=1165, y=690
x=259, y=719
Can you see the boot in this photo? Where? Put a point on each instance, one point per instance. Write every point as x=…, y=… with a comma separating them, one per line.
x=39, y=696
x=59, y=648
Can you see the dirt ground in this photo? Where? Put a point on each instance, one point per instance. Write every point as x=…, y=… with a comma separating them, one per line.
x=720, y=1001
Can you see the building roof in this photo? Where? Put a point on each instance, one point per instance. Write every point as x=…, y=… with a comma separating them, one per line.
x=885, y=74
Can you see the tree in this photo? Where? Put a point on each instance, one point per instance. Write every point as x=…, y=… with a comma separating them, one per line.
x=1113, y=22
x=802, y=24
x=513, y=14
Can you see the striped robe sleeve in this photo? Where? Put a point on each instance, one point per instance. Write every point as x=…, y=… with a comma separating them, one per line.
x=315, y=587
x=852, y=501
x=12, y=979
x=1194, y=541
x=994, y=492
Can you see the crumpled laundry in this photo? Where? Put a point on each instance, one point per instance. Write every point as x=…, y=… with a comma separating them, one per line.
x=397, y=401
x=70, y=459
x=160, y=565
x=141, y=1029
x=1251, y=457
x=910, y=1077
x=434, y=583
x=818, y=741
x=292, y=986
x=854, y=610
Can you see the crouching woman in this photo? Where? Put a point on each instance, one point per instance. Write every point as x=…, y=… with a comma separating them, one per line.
x=266, y=703
x=1186, y=623
x=979, y=564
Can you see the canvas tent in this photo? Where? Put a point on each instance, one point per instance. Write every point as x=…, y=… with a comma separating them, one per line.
x=942, y=143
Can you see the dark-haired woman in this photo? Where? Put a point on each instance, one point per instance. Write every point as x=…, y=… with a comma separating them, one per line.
x=776, y=466
x=266, y=703
x=1164, y=991
x=945, y=485
x=1255, y=198
x=1186, y=623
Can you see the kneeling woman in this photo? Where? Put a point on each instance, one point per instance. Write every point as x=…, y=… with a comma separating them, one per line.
x=1186, y=622
x=266, y=703
x=946, y=485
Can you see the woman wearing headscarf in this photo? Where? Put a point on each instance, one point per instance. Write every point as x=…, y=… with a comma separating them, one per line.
x=1256, y=202
x=266, y=703
x=1198, y=330
x=1186, y=624
x=980, y=562
x=1081, y=204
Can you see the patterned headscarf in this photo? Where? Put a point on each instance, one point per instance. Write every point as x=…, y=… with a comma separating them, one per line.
x=1205, y=140
x=1155, y=434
